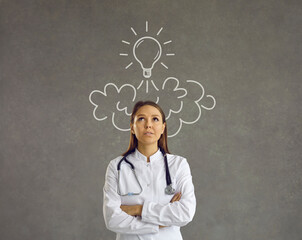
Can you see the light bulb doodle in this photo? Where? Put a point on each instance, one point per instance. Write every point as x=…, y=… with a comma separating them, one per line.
x=182, y=101
x=147, y=51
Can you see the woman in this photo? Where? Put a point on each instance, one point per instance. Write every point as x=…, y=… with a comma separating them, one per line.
x=141, y=203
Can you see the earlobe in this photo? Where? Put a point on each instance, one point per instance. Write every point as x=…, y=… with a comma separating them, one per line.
x=164, y=126
x=131, y=129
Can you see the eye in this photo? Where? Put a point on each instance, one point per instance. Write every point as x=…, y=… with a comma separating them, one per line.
x=140, y=119
x=155, y=119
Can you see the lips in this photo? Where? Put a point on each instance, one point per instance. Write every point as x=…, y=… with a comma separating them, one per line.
x=148, y=133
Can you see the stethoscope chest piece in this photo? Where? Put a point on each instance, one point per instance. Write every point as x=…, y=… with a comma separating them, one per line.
x=169, y=190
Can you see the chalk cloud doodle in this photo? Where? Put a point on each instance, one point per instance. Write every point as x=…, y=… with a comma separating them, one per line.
x=115, y=103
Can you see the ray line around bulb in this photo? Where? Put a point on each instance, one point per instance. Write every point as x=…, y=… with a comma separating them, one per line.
x=123, y=54
x=147, y=86
x=164, y=65
x=159, y=31
x=154, y=85
x=170, y=54
x=126, y=42
x=146, y=26
x=167, y=42
x=129, y=65
x=133, y=31
x=139, y=86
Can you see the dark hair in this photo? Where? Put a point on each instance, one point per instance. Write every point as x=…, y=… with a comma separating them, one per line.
x=162, y=142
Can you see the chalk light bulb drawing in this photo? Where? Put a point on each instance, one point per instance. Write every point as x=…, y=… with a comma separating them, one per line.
x=147, y=51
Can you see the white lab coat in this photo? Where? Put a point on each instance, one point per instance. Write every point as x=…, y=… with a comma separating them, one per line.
x=157, y=209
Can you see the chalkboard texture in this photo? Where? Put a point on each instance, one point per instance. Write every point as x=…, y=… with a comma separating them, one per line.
x=228, y=76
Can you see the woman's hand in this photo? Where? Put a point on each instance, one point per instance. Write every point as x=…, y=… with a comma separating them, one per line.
x=136, y=210
x=133, y=210
x=176, y=197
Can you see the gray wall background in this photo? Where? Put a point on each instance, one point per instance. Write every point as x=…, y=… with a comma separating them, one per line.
x=245, y=154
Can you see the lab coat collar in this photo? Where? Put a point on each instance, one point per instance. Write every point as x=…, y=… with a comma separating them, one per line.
x=156, y=156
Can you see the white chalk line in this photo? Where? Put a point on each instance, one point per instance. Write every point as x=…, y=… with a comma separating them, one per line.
x=193, y=81
x=180, y=125
x=164, y=65
x=159, y=31
x=105, y=94
x=203, y=91
x=177, y=111
x=96, y=106
x=147, y=86
x=133, y=31
x=140, y=85
x=118, y=128
x=181, y=121
x=176, y=88
x=154, y=85
x=206, y=108
x=122, y=109
x=128, y=65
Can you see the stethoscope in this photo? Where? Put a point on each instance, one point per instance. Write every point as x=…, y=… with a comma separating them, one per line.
x=168, y=190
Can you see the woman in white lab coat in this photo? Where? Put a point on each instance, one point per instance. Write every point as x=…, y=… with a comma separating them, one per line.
x=136, y=205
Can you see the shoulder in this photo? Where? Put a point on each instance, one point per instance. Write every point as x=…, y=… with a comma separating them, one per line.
x=112, y=166
x=179, y=164
x=176, y=159
x=114, y=162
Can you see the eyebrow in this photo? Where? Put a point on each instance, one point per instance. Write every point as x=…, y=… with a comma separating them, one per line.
x=154, y=115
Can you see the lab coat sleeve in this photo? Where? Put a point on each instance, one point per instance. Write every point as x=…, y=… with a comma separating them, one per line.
x=178, y=213
x=117, y=220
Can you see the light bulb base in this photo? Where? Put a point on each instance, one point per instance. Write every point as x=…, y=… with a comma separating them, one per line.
x=147, y=72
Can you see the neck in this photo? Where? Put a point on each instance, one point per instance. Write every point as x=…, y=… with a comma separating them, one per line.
x=147, y=150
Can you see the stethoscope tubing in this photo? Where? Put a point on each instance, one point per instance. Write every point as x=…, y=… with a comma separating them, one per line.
x=130, y=193
x=168, y=190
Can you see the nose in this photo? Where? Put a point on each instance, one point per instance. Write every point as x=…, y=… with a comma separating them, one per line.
x=148, y=124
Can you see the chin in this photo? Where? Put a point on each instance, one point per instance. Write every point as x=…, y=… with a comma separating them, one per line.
x=148, y=142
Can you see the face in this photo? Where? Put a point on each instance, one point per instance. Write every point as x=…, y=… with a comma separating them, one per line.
x=148, y=125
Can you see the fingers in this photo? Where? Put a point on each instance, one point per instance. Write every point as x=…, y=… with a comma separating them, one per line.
x=176, y=197
x=133, y=210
